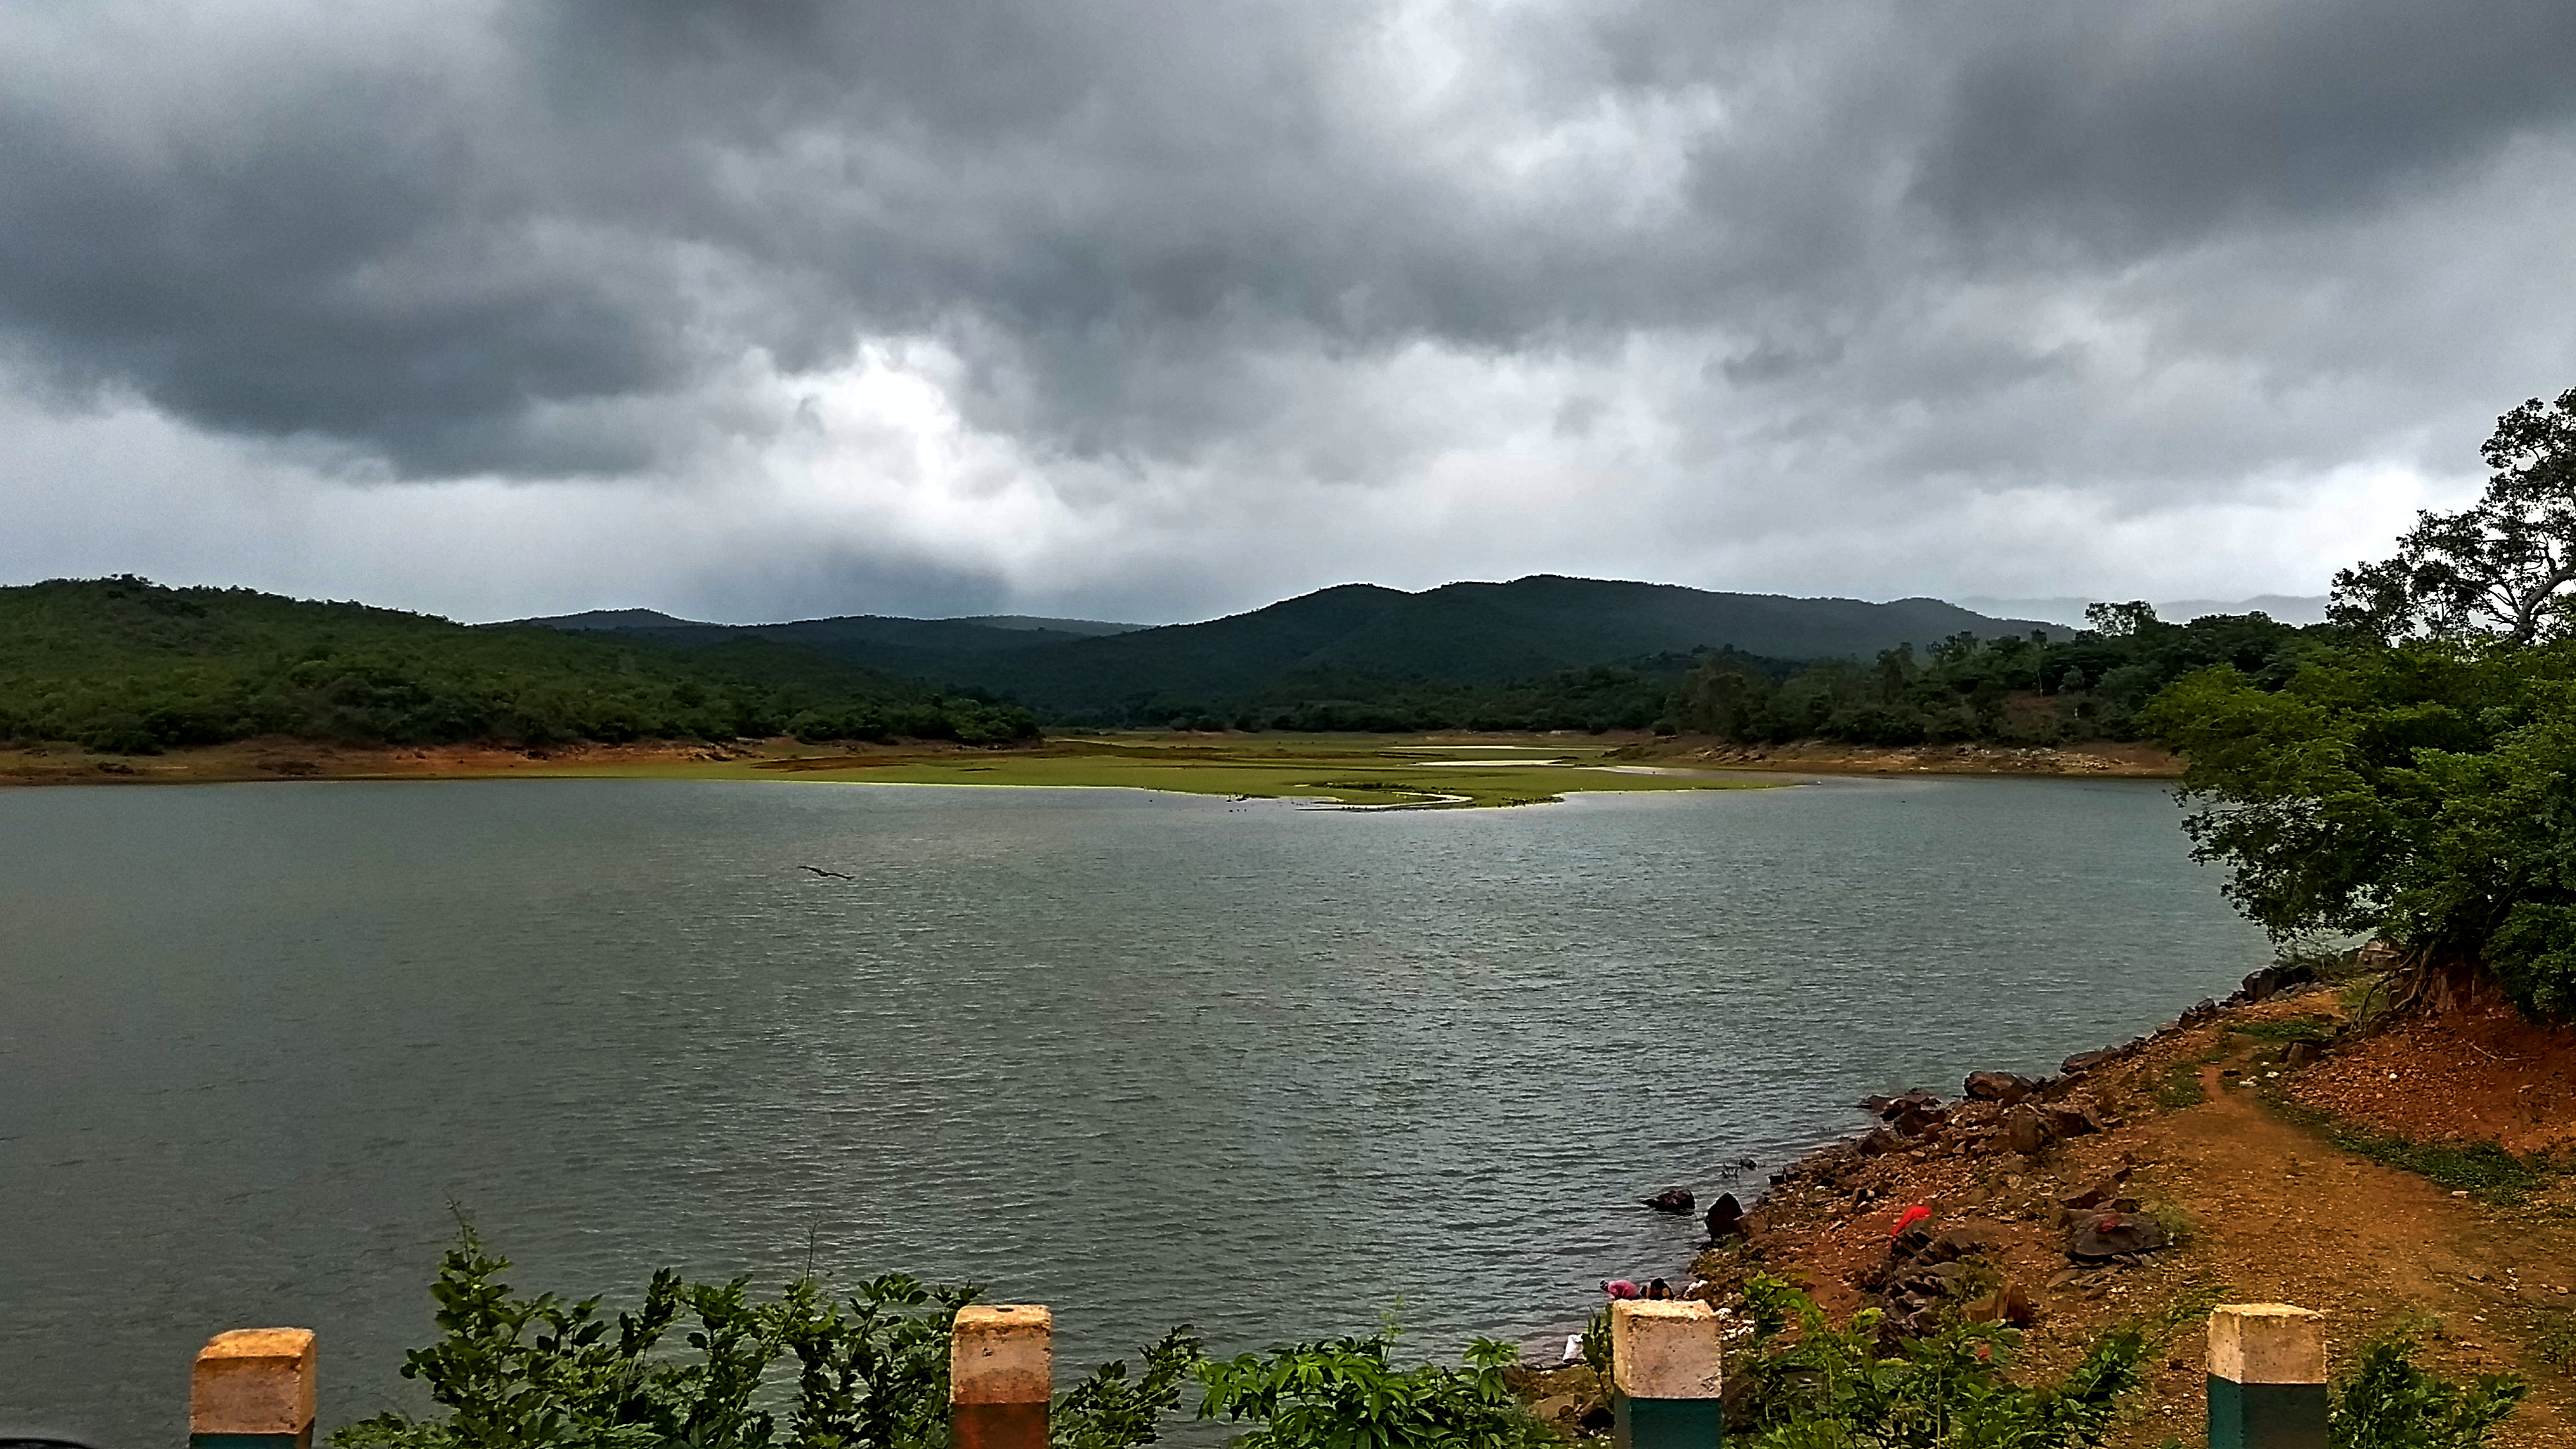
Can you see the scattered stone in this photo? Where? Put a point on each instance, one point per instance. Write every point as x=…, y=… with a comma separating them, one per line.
x=1671, y=1200
x=2273, y=980
x=2007, y=1304
x=2004, y=1087
x=2100, y=1240
x=1891, y=1108
x=1725, y=1217
x=2026, y=1132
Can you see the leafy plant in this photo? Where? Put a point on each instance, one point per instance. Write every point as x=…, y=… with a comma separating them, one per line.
x=2387, y=1402
x=1825, y=1387
x=870, y=1372
x=1111, y=1411
x=1343, y=1394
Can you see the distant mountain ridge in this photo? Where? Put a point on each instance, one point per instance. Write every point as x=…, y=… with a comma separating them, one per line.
x=1463, y=633
x=2286, y=608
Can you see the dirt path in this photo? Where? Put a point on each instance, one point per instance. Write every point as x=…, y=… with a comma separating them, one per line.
x=2282, y=1215
x=2263, y=1209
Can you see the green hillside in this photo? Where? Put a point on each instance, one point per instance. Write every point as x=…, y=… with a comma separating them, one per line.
x=124, y=664
x=1503, y=654
x=1381, y=642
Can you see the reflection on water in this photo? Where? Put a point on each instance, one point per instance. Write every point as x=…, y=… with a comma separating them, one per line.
x=1145, y=1058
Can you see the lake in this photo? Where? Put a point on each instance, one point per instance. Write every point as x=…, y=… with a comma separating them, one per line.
x=1141, y=1057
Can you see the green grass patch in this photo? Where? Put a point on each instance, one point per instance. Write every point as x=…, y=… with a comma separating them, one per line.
x=2288, y=1028
x=2180, y=1086
x=2553, y=1338
x=2486, y=1172
x=1344, y=770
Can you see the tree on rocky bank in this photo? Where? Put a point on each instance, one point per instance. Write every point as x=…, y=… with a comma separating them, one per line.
x=2418, y=779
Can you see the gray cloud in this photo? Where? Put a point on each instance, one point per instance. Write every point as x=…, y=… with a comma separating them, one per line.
x=1176, y=263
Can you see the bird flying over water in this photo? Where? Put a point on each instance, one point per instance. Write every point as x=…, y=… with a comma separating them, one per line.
x=832, y=874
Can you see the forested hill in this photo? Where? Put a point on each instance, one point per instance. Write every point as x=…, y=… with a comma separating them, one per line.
x=1459, y=633
x=124, y=664
x=1379, y=657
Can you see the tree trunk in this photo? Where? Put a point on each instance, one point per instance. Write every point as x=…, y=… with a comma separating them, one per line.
x=2432, y=982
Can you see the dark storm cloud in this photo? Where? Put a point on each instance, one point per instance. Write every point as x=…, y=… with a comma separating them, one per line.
x=2140, y=126
x=538, y=240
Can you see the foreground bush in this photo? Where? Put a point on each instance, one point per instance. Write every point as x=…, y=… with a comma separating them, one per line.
x=870, y=1372
x=2386, y=1402
x=1845, y=1388
x=1343, y=1394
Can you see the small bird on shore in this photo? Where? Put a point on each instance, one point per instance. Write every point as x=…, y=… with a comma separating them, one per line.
x=828, y=874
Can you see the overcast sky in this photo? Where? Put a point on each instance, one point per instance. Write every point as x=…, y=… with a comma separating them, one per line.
x=750, y=309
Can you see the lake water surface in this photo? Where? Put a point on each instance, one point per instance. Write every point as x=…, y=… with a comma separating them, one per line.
x=1146, y=1058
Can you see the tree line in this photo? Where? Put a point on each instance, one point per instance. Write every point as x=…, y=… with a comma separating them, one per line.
x=2013, y=690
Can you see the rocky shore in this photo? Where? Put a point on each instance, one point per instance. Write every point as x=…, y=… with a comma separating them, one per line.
x=2146, y=1180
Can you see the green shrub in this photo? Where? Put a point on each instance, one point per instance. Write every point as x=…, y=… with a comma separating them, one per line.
x=2386, y=1402
x=1844, y=1388
x=868, y=1373
x=1343, y=1394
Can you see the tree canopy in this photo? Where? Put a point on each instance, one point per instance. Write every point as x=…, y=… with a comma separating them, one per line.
x=2501, y=568
x=2414, y=774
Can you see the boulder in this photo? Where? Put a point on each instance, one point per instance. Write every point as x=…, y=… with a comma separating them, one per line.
x=1963, y=1240
x=2026, y=1132
x=2005, y=1087
x=2201, y=1010
x=1725, y=1217
x=2083, y=1062
x=2065, y=1122
x=1891, y=1108
x=2302, y=1054
x=2098, y=1240
x=2276, y=978
x=1880, y=1141
x=1671, y=1200
x=1917, y=1121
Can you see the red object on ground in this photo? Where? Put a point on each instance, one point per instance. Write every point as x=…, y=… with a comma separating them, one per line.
x=1909, y=1218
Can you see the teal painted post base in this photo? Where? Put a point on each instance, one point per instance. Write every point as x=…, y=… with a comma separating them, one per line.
x=2266, y=1416
x=303, y=1440
x=1669, y=1423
